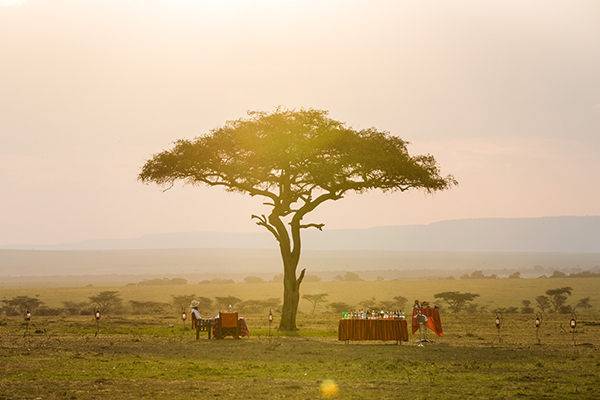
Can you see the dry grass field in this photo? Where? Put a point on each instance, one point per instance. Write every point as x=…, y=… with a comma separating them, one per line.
x=127, y=357
x=135, y=357
x=494, y=293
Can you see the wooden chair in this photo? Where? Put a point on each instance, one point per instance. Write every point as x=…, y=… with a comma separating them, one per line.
x=203, y=325
x=228, y=325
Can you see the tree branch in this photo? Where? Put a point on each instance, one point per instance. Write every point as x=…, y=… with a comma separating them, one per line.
x=318, y=226
x=301, y=277
x=262, y=221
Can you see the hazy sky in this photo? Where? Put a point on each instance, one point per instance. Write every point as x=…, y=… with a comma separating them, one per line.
x=505, y=94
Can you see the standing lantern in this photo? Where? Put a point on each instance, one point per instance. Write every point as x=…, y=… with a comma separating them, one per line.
x=97, y=316
x=270, y=321
x=538, y=322
x=183, y=318
x=498, y=321
x=27, y=319
x=573, y=325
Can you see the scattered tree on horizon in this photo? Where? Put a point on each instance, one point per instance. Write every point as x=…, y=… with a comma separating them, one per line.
x=259, y=306
x=527, y=309
x=456, y=300
x=584, y=303
x=339, y=307
x=107, y=300
x=543, y=303
x=182, y=302
x=19, y=305
x=223, y=302
x=147, y=307
x=315, y=299
x=368, y=304
x=558, y=297
x=401, y=302
x=296, y=160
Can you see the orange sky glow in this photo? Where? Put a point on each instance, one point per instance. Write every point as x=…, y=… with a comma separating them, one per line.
x=505, y=94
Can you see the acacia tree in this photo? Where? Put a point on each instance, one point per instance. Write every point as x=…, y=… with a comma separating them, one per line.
x=315, y=299
x=296, y=160
x=456, y=300
x=107, y=300
x=558, y=296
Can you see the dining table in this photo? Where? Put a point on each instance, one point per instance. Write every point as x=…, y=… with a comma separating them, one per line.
x=373, y=329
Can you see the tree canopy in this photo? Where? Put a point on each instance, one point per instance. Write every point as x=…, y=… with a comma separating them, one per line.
x=456, y=300
x=315, y=299
x=296, y=160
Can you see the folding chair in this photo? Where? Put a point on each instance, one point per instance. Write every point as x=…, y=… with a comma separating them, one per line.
x=228, y=325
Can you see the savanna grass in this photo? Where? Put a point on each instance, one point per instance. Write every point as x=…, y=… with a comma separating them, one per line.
x=135, y=357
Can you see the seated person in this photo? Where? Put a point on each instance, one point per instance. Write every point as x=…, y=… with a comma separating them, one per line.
x=194, y=310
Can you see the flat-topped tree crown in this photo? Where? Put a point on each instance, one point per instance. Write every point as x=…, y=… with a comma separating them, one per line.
x=296, y=159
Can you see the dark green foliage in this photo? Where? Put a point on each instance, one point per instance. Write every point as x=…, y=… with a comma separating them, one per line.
x=543, y=303
x=558, y=297
x=527, y=309
x=400, y=302
x=315, y=299
x=456, y=300
x=182, y=302
x=223, y=303
x=368, y=304
x=585, y=304
x=108, y=300
x=77, y=308
x=259, y=306
x=339, y=307
x=19, y=305
x=147, y=307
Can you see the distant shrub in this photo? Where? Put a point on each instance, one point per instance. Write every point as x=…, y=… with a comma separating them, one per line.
x=147, y=307
x=558, y=274
x=311, y=278
x=74, y=308
x=253, y=279
x=48, y=311
x=258, y=306
x=163, y=281
x=339, y=307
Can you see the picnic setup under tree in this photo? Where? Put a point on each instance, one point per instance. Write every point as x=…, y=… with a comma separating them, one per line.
x=296, y=160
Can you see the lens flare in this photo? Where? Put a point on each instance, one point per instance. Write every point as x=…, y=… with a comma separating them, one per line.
x=329, y=389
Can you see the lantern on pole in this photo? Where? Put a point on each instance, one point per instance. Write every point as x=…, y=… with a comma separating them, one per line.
x=498, y=323
x=97, y=316
x=27, y=319
x=538, y=323
x=183, y=318
x=270, y=321
x=573, y=325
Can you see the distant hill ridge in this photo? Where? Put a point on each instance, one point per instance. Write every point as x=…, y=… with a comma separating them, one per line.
x=545, y=234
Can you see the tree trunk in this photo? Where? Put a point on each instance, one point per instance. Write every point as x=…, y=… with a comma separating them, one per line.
x=291, y=294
